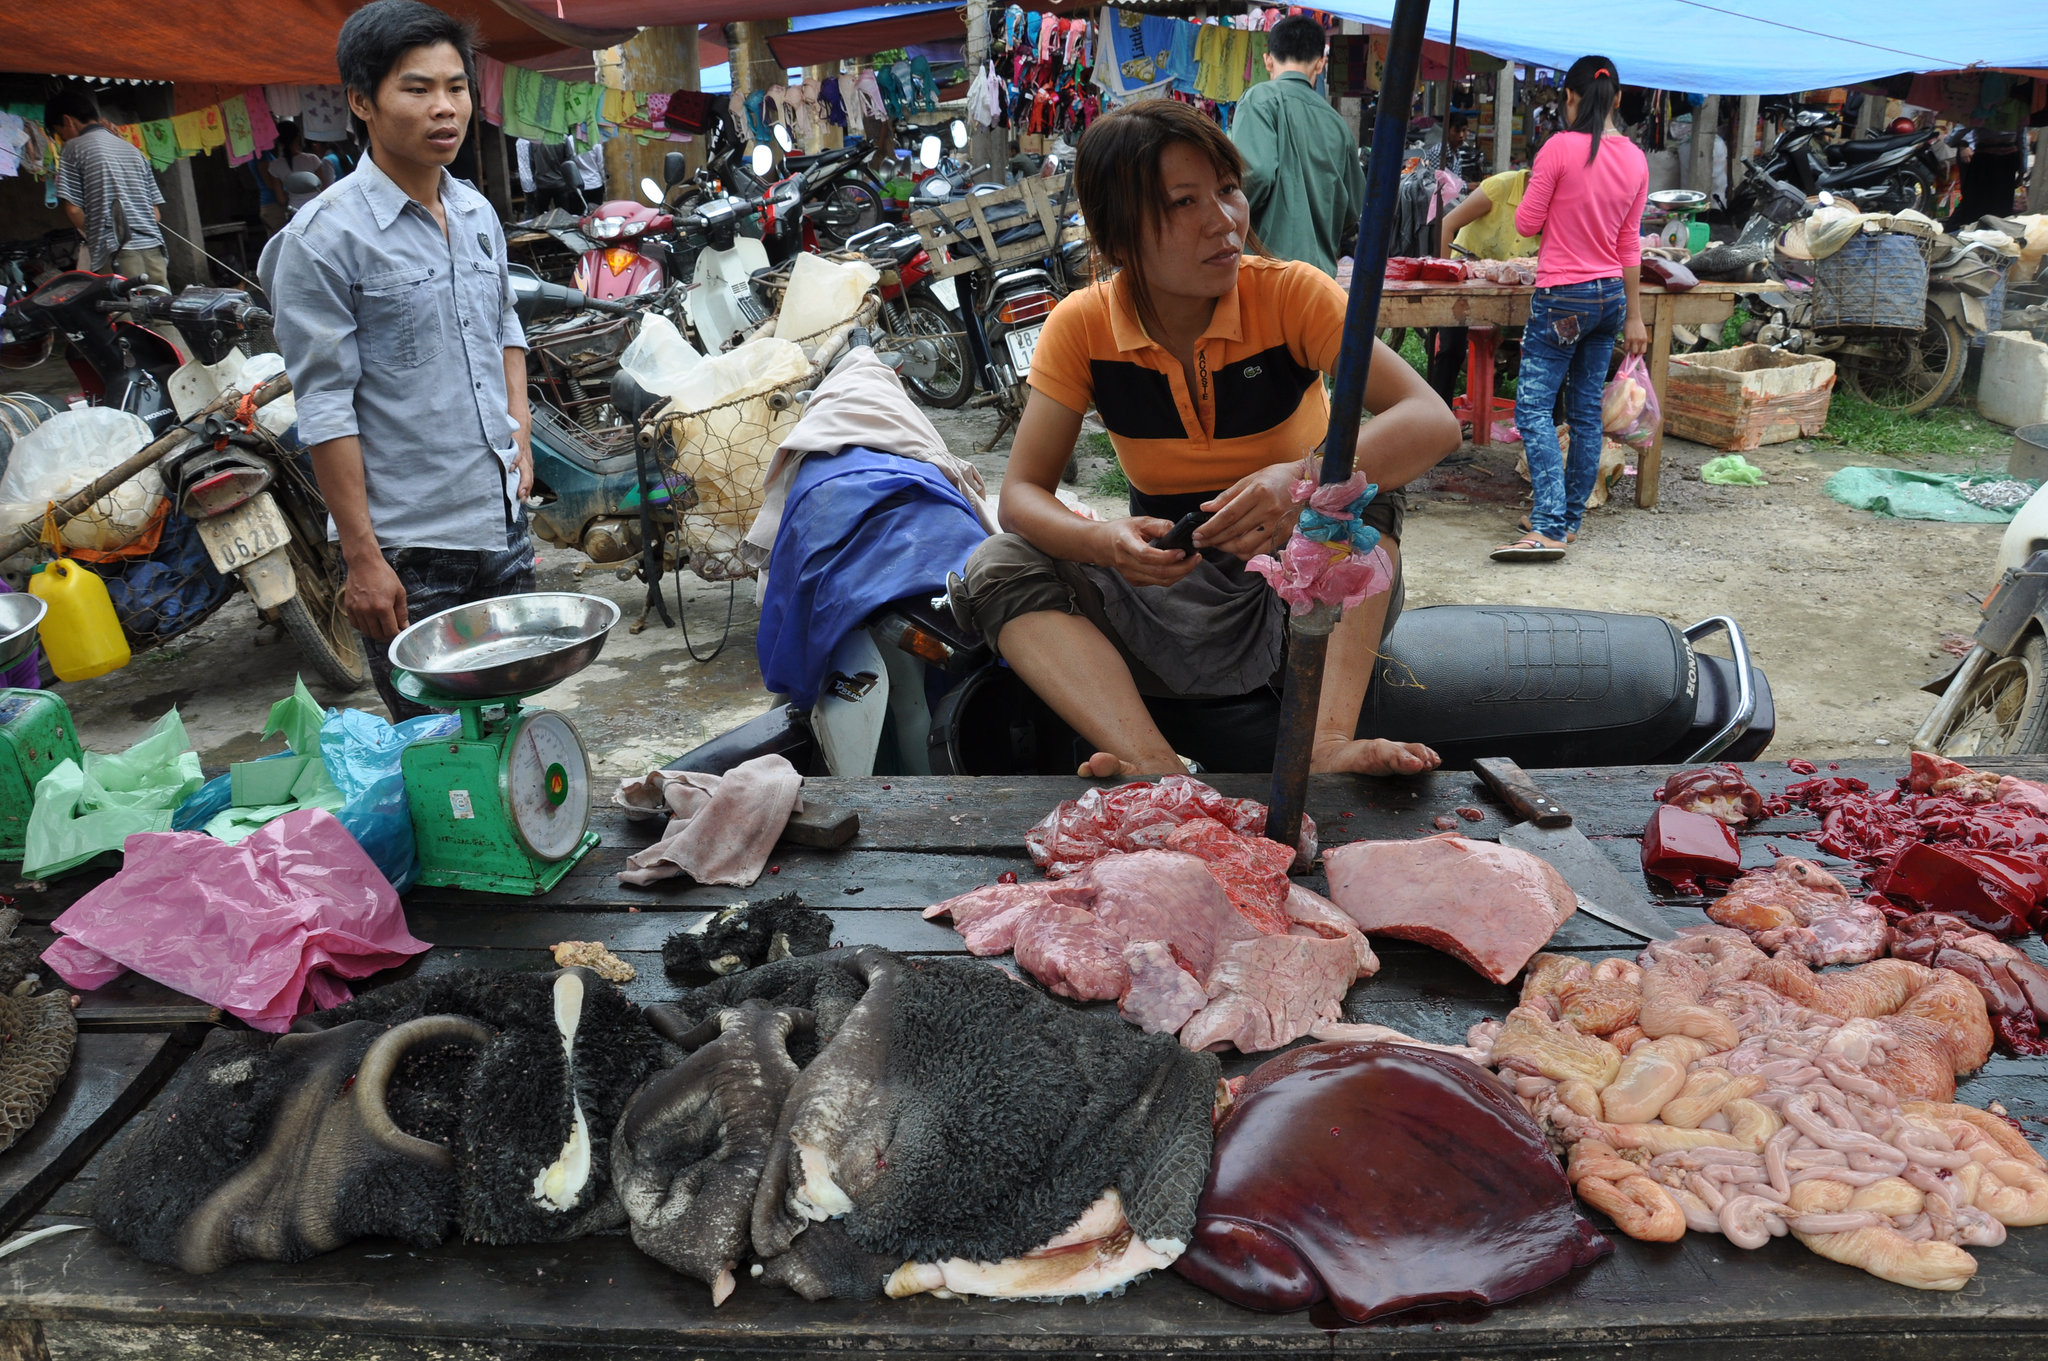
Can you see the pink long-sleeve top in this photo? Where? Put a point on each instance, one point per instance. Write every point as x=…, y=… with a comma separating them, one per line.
x=1590, y=216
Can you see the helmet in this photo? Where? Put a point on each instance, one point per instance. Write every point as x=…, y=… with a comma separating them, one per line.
x=1900, y=125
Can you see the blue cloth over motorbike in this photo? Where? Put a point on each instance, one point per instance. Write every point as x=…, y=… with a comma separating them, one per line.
x=861, y=529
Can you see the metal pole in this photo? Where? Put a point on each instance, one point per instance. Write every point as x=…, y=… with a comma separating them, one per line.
x=1309, y=634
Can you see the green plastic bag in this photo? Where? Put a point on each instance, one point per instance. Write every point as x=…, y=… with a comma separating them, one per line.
x=1907, y=495
x=1732, y=470
x=298, y=716
x=81, y=811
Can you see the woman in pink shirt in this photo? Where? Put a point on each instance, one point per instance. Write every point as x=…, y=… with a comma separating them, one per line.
x=1585, y=198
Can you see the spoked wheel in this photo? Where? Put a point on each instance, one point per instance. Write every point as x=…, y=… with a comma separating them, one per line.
x=935, y=361
x=317, y=620
x=1912, y=371
x=849, y=208
x=2005, y=712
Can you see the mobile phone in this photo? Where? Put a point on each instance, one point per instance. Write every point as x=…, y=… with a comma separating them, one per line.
x=1181, y=538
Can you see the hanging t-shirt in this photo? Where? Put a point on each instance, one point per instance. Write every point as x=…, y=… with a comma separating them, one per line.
x=580, y=101
x=199, y=130
x=262, y=128
x=159, y=143
x=323, y=113
x=234, y=119
x=284, y=100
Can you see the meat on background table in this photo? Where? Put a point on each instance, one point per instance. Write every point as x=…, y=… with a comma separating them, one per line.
x=1484, y=308
x=921, y=840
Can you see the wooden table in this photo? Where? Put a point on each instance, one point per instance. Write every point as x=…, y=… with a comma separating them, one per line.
x=922, y=840
x=1484, y=308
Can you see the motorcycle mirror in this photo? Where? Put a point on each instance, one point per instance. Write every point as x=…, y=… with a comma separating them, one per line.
x=928, y=151
x=781, y=131
x=959, y=135
x=674, y=169
x=1827, y=200
x=763, y=159
x=938, y=186
x=651, y=191
x=302, y=182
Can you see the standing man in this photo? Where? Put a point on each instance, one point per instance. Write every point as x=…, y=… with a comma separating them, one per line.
x=394, y=315
x=1301, y=160
x=107, y=191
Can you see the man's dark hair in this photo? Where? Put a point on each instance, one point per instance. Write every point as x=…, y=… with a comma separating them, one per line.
x=378, y=34
x=1456, y=122
x=73, y=101
x=1297, y=38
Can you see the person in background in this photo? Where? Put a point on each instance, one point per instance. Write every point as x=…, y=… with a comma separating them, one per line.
x=1301, y=158
x=107, y=191
x=587, y=165
x=556, y=183
x=1481, y=227
x=394, y=314
x=291, y=157
x=1585, y=199
x=1443, y=153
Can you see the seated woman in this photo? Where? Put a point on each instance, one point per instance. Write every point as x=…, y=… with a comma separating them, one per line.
x=1204, y=360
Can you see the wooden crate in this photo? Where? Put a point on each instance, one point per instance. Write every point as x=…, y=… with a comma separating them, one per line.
x=952, y=224
x=1747, y=397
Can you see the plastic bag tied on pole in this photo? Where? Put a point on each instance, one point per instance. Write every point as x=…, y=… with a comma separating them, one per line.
x=266, y=929
x=1333, y=557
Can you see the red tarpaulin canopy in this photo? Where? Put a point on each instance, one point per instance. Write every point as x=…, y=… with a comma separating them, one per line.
x=247, y=42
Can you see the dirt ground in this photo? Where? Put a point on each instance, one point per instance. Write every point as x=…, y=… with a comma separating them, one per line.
x=1846, y=612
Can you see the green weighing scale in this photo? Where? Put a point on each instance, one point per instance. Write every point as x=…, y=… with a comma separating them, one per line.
x=36, y=732
x=1682, y=228
x=503, y=805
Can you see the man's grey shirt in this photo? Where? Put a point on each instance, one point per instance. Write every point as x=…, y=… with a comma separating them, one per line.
x=396, y=334
x=110, y=180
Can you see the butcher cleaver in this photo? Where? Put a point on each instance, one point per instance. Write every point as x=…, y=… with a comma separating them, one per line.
x=1547, y=833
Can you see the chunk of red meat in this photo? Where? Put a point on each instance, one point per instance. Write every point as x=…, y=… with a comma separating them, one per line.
x=1489, y=905
x=1719, y=792
x=1167, y=896
x=1251, y=869
x=1683, y=847
x=1139, y=817
x=987, y=918
x=1073, y=954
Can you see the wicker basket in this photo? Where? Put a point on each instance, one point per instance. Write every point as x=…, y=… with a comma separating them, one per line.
x=1875, y=279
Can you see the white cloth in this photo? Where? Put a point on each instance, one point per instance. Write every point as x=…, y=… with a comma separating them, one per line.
x=722, y=828
x=285, y=101
x=525, y=156
x=324, y=116
x=861, y=402
x=849, y=98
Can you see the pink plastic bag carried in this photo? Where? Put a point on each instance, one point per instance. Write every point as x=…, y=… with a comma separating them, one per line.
x=265, y=929
x=1628, y=405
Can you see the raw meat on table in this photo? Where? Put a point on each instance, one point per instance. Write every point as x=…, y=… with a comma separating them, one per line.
x=1682, y=847
x=987, y=918
x=1072, y=952
x=1267, y=992
x=1139, y=817
x=1168, y=896
x=1720, y=792
x=1797, y=910
x=1489, y=905
x=1162, y=994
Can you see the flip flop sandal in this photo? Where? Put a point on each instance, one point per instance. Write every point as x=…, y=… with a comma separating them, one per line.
x=1528, y=528
x=1531, y=549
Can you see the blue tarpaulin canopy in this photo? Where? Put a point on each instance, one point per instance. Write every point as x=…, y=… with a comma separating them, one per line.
x=1742, y=46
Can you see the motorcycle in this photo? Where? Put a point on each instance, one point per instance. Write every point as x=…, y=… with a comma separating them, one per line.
x=1887, y=174
x=626, y=258
x=902, y=685
x=248, y=494
x=840, y=193
x=919, y=318
x=1995, y=701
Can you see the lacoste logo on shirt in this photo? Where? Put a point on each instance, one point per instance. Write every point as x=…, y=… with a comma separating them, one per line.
x=1252, y=370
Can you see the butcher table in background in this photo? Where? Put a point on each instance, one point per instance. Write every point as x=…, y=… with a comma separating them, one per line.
x=1484, y=308
x=922, y=840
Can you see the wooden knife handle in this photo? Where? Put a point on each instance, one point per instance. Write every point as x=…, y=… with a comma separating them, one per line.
x=1519, y=792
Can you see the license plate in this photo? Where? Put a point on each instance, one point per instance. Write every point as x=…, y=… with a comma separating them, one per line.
x=240, y=536
x=948, y=293
x=1023, y=344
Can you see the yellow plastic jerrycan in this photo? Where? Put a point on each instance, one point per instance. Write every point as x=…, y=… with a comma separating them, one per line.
x=80, y=633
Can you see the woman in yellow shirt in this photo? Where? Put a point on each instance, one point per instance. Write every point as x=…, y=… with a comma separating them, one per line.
x=1481, y=227
x=1204, y=360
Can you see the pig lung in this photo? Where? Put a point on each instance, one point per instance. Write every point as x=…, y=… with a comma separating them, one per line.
x=1381, y=1177
x=1492, y=906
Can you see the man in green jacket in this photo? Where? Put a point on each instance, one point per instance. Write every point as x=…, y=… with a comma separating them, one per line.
x=1301, y=158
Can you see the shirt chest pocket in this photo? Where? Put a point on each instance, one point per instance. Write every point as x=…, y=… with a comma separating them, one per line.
x=482, y=300
x=399, y=321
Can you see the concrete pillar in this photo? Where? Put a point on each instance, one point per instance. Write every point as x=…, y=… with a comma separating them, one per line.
x=987, y=146
x=1744, y=143
x=2037, y=187
x=655, y=61
x=1700, y=158
x=184, y=234
x=1504, y=118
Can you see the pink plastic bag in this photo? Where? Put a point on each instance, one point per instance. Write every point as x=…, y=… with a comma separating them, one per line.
x=1138, y=817
x=265, y=929
x=1628, y=405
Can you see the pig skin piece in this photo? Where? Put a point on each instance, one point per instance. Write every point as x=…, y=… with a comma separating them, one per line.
x=1070, y=951
x=1271, y=991
x=1489, y=905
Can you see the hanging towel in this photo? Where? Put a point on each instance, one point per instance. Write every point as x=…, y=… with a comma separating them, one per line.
x=323, y=113
x=580, y=102
x=284, y=100
x=850, y=100
x=617, y=107
x=832, y=101
x=684, y=110
x=159, y=143
x=490, y=89
x=1180, y=62
x=1255, y=59
x=131, y=133
x=234, y=119
x=262, y=127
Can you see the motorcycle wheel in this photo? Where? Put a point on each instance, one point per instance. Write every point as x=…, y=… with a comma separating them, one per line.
x=849, y=208
x=2005, y=712
x=1908, y=189
x=318, y=622
x=1919, y=370
x=926, y=320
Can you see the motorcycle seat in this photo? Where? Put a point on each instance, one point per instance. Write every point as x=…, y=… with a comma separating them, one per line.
x=1870, y=148
x=796, y=165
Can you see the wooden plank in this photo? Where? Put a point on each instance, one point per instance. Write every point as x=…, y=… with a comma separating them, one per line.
x=454, y=930
x=111, y=1075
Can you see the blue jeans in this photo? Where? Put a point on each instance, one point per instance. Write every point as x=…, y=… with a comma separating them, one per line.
x=1570, y=338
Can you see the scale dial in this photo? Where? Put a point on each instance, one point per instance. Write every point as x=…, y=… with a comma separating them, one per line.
x=545, y=780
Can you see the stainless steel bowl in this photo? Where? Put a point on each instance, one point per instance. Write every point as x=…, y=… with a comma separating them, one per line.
x=513, y=645
x=19, y=617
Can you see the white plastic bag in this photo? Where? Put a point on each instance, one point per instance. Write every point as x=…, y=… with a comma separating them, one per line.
x=280, y=414
x=661, y=358
x=62, y=456
x=822, y=294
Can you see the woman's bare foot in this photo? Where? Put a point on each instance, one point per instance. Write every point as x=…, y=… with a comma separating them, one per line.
x=1373, y=756
x=1105, y=765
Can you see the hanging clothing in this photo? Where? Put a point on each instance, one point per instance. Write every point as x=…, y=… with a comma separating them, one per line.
x=580, y=103
x=285, y=100
x=490, y=89
x=831, y=102
x=850, y=101
x=234, y=118
x=323, y=113
x=159, y=143
x=199, y=130
x=262, y=128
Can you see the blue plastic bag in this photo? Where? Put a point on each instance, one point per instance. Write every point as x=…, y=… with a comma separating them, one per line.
x=361, y=752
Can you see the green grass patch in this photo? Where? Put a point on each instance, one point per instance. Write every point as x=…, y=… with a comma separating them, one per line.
x=1412, y=351
x=1111, y=480
x=1952, y=429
